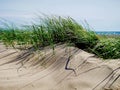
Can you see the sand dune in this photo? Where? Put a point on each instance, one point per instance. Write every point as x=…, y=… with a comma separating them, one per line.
x=68, y=68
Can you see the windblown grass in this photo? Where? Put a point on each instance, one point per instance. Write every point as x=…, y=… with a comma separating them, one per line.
x=108, y=48
x=49, y=31
x=55, y=29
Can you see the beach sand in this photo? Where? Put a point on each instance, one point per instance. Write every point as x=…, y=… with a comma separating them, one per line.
x=48, y=70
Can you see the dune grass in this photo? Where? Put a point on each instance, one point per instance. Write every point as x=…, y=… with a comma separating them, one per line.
x=108, y=48
x=51, y=30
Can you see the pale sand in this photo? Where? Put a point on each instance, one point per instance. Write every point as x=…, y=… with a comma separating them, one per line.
x=33, y=73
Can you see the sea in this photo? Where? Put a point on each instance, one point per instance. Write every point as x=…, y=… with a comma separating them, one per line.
x=108, y=32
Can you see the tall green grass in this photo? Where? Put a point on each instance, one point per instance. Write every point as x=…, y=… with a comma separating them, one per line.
x=51, y=30
x=108, y=48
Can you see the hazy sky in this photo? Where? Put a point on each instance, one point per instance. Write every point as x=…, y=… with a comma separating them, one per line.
x=100, y=14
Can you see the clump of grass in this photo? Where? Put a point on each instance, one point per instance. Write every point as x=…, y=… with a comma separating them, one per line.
x=8, y=37
x=14, y=36
x=51, y=30
x=64, y=30
x=108, y=48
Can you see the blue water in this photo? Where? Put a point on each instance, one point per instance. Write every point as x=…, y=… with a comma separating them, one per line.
x=108, y=32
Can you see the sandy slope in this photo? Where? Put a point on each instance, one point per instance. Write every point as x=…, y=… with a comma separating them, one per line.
x=26, y=70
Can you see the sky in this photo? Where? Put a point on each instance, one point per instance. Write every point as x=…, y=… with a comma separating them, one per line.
x=100, y=14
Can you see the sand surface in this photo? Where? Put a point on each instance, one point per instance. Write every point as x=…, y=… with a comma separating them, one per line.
x=67, y=68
